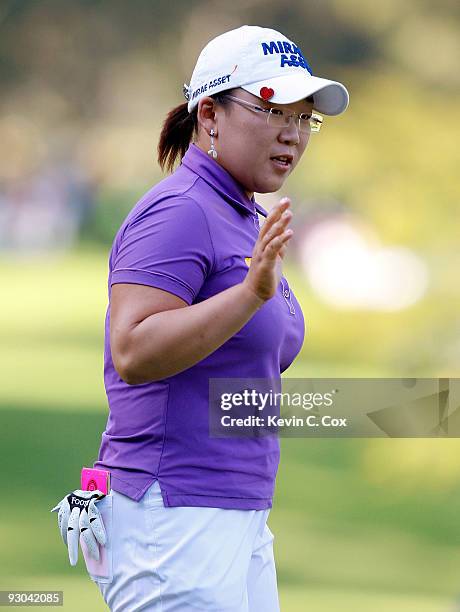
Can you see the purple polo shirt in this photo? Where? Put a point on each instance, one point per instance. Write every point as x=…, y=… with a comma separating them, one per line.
x=190, y=235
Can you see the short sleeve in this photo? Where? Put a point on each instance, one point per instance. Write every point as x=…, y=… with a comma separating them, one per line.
x=167, y=246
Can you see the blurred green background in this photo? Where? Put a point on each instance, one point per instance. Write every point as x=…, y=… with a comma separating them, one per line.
x=360, y=525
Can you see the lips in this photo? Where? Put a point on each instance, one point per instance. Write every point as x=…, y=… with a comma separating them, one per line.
x=283, y=159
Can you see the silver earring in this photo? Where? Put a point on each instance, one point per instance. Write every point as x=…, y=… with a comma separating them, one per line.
x=212, y=151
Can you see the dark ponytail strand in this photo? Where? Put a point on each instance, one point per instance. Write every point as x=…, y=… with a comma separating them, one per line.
x=178, y=130
x=176, y=134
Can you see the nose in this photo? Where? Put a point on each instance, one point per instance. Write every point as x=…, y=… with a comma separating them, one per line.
x=290, y=134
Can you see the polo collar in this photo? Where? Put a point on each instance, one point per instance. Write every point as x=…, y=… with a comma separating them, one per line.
x=219, y=179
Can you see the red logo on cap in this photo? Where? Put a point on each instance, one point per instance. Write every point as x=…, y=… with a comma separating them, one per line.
x=266, y=93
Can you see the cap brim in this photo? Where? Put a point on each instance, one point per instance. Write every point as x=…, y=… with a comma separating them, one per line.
x=330, y=97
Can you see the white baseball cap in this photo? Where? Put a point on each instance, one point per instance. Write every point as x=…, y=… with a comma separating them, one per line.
x=265, y=63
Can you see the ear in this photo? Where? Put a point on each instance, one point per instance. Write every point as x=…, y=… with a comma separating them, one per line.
x=206, y=114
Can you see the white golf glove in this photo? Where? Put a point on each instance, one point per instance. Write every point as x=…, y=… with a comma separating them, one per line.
x=79, y=516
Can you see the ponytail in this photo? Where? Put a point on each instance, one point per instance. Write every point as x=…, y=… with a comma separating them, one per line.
x=176, y=134
x=178, y=130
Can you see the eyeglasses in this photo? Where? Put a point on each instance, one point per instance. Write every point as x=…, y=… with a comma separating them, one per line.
x=306, y=122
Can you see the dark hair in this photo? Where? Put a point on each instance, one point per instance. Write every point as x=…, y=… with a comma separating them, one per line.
x=178, y=129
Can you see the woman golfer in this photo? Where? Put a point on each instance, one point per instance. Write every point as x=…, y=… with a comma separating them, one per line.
x=196, y=292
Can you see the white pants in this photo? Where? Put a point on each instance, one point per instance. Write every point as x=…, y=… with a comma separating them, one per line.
x=184, y=559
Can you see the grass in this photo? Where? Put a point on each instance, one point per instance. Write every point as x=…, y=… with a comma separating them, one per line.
x=352, y=532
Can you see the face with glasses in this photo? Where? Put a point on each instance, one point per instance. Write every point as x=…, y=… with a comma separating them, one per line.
x=259, y=143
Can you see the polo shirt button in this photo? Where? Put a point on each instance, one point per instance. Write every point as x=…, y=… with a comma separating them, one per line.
x=286, y=293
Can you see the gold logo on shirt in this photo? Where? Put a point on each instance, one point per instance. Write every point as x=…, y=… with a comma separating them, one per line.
x=248, y=261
